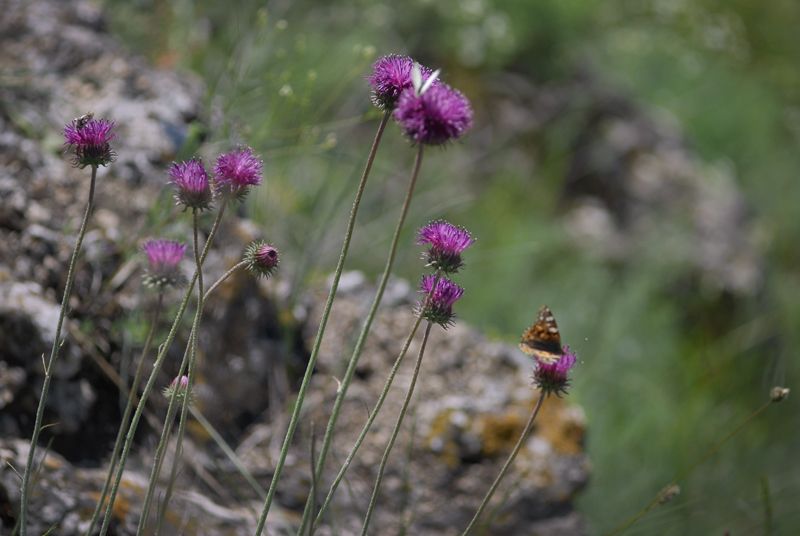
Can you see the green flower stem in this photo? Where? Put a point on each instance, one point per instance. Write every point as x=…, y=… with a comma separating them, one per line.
x=395, y=431
x=660, y=496
x=126, y=415
x=153, y=375
x=373, y=414
x=312, y=360
x=507, y=465
x=312, y=461
x=48, y=370
x=222, y=278
x=185, y=400
x=362, y=337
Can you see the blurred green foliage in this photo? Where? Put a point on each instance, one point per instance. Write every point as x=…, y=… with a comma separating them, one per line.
x=659, y=387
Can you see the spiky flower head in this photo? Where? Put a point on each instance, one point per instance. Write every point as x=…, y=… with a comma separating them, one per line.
x=446, y=242
x=391, y=75
x=553, y=378
x=236, y=171
x=91, y=140
x=434, y=116
x=178, y=387
x=437, y=306
x=261, y=258
x=192, y=185
x=163, y=259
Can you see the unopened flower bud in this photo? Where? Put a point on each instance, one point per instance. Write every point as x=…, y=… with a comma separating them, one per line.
x=261, y=258
x=179, y=387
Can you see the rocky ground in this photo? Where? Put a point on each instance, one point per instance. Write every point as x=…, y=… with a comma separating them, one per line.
x=629, y=174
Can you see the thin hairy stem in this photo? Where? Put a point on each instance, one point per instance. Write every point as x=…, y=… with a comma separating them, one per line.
x=312, y=360
x=312, y=461
x=126, y=415
x=186, y=395
x=661, y=496
x=365, y=328
x=506, y=466
x=374, y=413
x=222, y=278
x=406, y=508
x=48, y=370
x=154, y=373
x=373, y=500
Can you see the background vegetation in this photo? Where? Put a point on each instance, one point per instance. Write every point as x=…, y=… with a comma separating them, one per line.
x=658, y=386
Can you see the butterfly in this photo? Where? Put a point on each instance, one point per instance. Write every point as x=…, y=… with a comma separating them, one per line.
x=542, y=340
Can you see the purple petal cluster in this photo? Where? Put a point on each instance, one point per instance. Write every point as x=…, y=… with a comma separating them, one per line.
x=178, y=387
x=261, y=258
x=437, y=306
x=446, y=242
x=238, y=169
x=192, y=184
x=437, y=116
x=391, y=76
x=163, y=259
x=553, y=378
x=91, y=139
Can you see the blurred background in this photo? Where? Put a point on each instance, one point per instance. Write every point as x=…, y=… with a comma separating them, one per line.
x=633, y=165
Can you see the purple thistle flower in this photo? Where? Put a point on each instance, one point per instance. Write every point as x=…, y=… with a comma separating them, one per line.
x=91, y=139
x=163, y=258
x=439, y=307
x=261, y=258
x=447, y=242
x=192, y=185
x=391, y=75
x=238, y=169
x=435, y=117
x=553, y=378
x=178, y=387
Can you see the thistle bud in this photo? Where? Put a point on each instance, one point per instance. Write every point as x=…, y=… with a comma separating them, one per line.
x=178, y=387
x=261, y=258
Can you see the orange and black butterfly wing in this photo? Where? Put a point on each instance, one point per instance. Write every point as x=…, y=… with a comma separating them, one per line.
x=542, y=340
